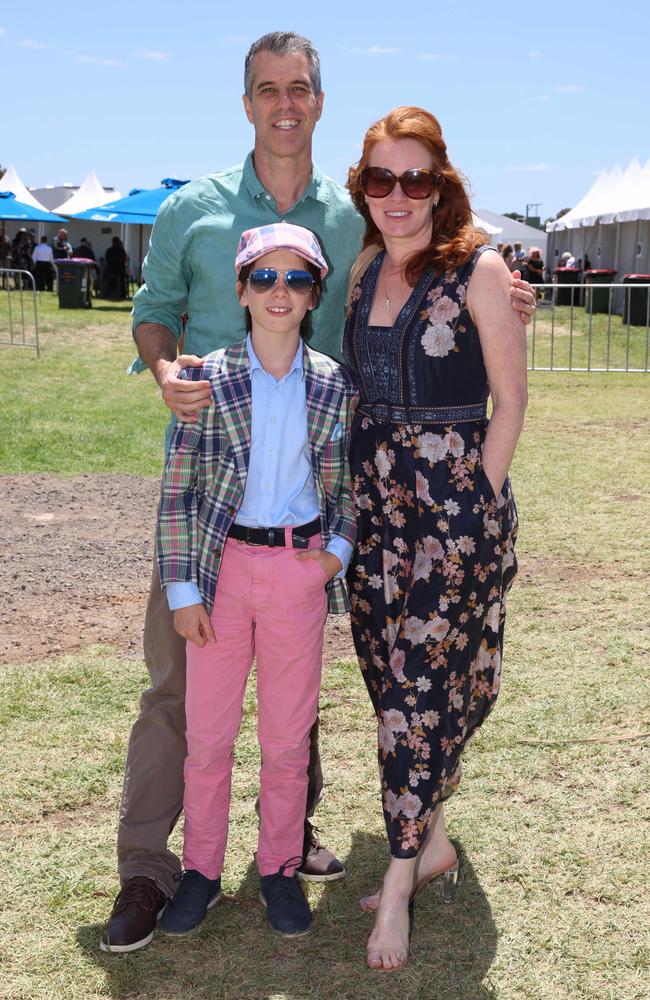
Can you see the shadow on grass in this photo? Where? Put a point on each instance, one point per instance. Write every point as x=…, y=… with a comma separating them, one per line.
x=234, y=954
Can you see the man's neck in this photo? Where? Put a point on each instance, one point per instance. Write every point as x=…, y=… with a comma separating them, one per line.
x=275, y=353
x=286, y=177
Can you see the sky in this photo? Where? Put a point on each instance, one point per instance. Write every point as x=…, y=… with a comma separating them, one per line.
x=534, y=99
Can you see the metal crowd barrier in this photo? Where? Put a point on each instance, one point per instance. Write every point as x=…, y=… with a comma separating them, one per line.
x=14, y=320
x=590, y=327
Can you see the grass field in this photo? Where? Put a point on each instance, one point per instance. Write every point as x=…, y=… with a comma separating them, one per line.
x=549, y=820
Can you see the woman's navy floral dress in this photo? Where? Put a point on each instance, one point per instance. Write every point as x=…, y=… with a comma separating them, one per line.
x=435, y=548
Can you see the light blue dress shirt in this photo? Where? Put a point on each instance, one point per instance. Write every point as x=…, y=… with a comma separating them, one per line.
x=280, y=489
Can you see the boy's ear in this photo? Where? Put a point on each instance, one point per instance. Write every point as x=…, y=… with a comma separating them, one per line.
x=314, y=297
x=242, y=293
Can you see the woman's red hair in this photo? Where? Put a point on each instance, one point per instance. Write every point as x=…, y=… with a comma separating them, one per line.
x=454, y=237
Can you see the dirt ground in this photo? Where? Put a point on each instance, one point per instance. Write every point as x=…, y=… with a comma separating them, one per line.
x=76, y=565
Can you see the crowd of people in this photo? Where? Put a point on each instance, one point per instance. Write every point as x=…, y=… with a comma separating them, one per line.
x=39, y=257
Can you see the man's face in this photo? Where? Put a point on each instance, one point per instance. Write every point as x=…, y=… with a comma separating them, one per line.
x=283, y=107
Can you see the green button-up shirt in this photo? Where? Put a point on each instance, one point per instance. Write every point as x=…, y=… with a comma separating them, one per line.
x=190, y=265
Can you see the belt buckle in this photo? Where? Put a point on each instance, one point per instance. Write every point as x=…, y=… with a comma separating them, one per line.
x=298, y=542
x=382, y=412
x=247, y=534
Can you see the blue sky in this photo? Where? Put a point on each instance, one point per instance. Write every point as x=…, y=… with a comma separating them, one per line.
x=534, y=99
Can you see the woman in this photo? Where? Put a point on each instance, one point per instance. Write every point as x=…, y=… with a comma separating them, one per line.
x=430, y=334
x=509, y=258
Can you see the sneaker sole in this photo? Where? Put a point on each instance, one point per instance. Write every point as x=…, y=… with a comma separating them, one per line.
x=195, y=927
x=286, y=934
x=122, y=949
x=334, y=877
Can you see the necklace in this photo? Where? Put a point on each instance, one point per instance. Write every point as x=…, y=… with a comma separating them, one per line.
x=387, y=294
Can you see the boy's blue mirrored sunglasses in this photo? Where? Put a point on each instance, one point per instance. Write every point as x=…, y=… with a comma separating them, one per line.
x=266, y=278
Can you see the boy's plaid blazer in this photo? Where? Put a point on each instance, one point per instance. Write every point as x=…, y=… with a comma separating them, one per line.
x=205, y=475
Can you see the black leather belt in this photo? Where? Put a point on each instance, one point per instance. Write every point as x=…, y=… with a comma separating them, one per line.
x=388, y=413
x=273, y=537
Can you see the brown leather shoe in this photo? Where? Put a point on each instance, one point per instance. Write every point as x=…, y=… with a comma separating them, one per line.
x=135, y=913
x=319, y=864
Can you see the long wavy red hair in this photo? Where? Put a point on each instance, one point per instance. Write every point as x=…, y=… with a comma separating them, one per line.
x=454, y=237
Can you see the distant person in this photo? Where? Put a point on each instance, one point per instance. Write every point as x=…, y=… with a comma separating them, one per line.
x=567, y=259
x=115, y=274
x=61, y=246
x=84, y=250
x=500, y=247
x=587, y=263
x=519, y=253
x=509, y=257
x=21, y=254
x=535, y=267
x=43, y=257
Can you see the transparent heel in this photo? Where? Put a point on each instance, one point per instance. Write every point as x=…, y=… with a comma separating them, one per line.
x=449, y=884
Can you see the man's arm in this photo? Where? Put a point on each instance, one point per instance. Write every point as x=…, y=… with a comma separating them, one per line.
x=157, y=348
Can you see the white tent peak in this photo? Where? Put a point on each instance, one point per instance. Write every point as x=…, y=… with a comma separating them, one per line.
x=90, y=195
x=12, y=182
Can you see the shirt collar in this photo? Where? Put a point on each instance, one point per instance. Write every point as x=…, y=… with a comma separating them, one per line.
x=256, y=365
x=316, y=189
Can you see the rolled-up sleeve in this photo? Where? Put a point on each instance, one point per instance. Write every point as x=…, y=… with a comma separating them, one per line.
x=163, y=296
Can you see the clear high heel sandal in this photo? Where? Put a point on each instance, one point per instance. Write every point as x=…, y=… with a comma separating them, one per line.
x=449, y=884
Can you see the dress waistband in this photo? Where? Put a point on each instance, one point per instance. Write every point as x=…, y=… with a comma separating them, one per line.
x=389, y=413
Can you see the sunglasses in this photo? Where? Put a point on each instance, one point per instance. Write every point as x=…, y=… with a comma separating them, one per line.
x=266, y=278
x=378, y=182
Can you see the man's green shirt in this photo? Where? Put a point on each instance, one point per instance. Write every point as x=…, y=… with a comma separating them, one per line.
x=190, y=265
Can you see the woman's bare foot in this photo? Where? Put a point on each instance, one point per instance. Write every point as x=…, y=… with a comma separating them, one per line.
x=388, y=945
x=436, y=856
x=437, y=853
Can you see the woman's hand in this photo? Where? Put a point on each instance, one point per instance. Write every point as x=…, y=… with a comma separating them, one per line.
x=331, y=564
x=522, y=297
x=193, y=623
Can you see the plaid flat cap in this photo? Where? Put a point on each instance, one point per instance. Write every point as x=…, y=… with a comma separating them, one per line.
x=254, y=243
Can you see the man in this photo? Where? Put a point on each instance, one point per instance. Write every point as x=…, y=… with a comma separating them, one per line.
x=61, y=247
x=84, y=250
x=188, y=272
x=43, y=258
x=520, y=253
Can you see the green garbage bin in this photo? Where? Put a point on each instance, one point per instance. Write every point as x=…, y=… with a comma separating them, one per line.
x=567, y=276
x=597, y=299
x=74, y=283
x=635, y=309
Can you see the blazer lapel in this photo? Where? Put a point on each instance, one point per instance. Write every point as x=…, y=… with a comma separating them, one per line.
x=231, y=388
x=321, y=415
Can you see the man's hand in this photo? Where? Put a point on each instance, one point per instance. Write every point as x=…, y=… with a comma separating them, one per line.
x=522, y=297
x=330, y=563
x=193, y=623
x=182, y=397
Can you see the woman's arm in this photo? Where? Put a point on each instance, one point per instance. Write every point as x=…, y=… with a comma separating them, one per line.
x=503, y=341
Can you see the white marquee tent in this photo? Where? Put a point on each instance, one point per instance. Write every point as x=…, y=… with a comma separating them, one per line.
x=511, y=231
x=90, y=194
x=12, y=182
x=611, y=224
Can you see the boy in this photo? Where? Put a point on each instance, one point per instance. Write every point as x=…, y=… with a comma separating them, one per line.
x=255, y=521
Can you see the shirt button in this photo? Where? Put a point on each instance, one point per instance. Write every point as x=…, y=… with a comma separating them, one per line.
x=217, y=553
x=270, y=451
x=267, y=486
x=274, y=420
x=230, y=510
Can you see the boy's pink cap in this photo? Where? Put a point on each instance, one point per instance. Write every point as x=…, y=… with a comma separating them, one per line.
x=254, y=243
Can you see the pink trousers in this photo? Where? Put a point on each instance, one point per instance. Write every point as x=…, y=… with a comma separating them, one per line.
x=272, y=606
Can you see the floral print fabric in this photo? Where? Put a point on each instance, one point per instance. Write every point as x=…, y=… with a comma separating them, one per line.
x=435, y=550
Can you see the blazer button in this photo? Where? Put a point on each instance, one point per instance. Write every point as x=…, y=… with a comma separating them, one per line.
x=217, y=553
x=230, y=510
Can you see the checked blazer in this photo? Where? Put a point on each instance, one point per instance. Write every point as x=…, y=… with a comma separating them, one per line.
x=205, y=474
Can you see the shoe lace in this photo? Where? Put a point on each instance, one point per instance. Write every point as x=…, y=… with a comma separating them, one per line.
x=312, y=843
x=193, y=885
x=279, y=884
x=140, y=890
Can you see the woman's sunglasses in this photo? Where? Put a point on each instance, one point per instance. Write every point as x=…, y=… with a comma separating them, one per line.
x=378, y=182
x=266, y=278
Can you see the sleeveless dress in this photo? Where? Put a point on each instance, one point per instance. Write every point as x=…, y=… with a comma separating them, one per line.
x=434, y=555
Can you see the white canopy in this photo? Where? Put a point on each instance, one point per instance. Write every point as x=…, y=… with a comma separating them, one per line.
x=486, y=226
x=89, y=195
x=512, y=231
x=12, y=182
x=617, y=196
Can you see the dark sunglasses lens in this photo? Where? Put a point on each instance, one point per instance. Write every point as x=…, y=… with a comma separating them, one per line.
x=263, y=279
x=417, y=184
x=299, y=281
x=377, y=182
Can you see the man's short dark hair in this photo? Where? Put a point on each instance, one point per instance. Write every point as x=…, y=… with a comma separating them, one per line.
x=283, y=43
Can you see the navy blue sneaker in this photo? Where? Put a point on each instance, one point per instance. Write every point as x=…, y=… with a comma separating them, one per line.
x=287, y=910
x=191, y=902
